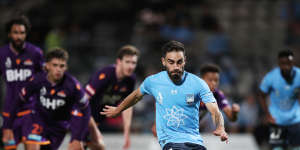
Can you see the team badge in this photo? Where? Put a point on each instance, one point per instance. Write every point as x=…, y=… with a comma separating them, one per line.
x=8, y=62
x=189, y=99
x=43, y=91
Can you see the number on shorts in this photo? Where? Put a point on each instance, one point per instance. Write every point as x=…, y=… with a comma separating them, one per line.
x=275, y=133
x=37, y=129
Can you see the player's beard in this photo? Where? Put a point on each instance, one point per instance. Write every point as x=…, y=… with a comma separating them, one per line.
x=175, y=75
x=18, y=46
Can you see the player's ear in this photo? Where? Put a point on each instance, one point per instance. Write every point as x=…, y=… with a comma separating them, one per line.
x=163, y=61
x=118, y=61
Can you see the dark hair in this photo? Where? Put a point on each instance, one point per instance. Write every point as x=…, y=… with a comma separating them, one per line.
x=172, y=46
x=209, y=68
x=285, y=53
x=20, y=20
x=58, y=53
x=128, y=50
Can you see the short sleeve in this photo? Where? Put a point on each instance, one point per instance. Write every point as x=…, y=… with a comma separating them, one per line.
x=204, y=92
x=80, y=96
x=265, y=84
x=97, y=82
x=145, y=87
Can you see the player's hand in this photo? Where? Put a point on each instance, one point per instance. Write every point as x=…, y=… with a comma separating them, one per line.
x=126, y=142
x=110, y=111
x=8, y=135
x=223, y=135
x=235, y=108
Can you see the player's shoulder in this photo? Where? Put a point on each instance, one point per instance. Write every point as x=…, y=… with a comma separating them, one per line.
x=157, y=76
x=33, y=49
x=106, y=71
x=275, y=71
x=71, y=82
x=194, y=79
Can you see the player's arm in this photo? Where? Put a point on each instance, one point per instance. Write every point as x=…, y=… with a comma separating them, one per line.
x=127, y=117
x=130, y=100
x=232, y=111
x=218, y=120
x=263, y=102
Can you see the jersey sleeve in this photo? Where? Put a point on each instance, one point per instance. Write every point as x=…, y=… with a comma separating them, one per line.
x=221, y=100
x=204, y=92
x=97, y=82
x=81, y=98
x=145, y=87
x=265, y=84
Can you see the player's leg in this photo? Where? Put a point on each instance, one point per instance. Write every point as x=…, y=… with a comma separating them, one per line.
x=75, y=145
x=96, y=142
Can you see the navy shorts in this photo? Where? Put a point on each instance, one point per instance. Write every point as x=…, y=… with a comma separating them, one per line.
x=183, y=146
x=284, y=136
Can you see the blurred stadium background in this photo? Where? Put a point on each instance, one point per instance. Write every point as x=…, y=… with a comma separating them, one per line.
x=242, y=36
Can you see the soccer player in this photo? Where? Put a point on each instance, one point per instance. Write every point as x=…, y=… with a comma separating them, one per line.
x=178, y=95
x=55, y=93
x=210, y=73
x=110, y=85
x=19, y=60
x=282, y=85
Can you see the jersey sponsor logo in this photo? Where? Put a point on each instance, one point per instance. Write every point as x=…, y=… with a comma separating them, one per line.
x=28, y=62
x=189, y=98
x=61, y=94
x=174, y=92
x=17, y=74
x=52, y=103
x=8, y=62
x=175, y=116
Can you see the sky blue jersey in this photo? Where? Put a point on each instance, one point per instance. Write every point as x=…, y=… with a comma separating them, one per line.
x=177, y=106
x=284, y=105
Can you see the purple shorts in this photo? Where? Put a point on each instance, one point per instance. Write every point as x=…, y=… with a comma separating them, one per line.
x=79, y=126
x=45, y=132
x=20, y=128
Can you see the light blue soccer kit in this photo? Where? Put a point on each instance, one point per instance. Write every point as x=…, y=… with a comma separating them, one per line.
x=177, y=106
x=284, y=105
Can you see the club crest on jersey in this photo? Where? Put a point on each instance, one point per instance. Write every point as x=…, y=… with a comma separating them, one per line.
x=8, y=62
x=28, y=62
x=43, y=91
x=189, y=98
